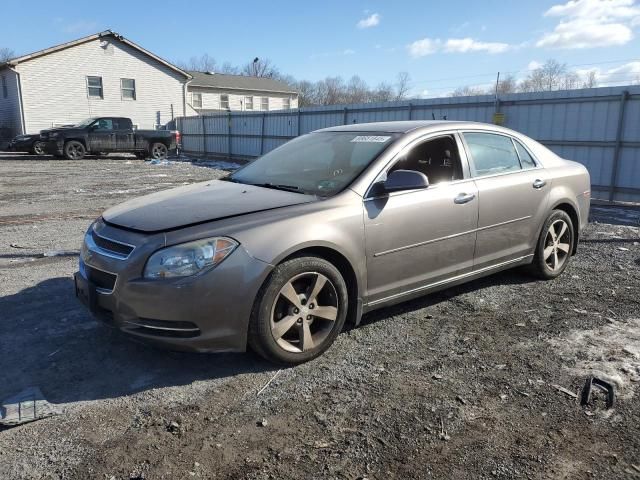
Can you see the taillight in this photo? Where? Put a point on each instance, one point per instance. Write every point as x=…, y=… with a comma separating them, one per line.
x=178, y=136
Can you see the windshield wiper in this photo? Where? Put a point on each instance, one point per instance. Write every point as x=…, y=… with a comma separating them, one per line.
x=275, y=186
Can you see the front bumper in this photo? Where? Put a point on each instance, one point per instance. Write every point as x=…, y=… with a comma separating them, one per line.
x=204, y=313
x=20, y=145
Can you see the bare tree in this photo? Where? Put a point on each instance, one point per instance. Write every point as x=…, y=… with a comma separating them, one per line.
x=6, y=54
x=402, y=85
x=553, y=75
x=260, y=68
x=357, y=91
x=467, y=91
x=508, y=84
x=591, y=80
x=383, y=93
x=203, y=63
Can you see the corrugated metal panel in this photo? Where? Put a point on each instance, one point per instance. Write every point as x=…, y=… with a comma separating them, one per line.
x=581, y=125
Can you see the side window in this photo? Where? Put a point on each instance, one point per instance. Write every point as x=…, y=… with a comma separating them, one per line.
x=224, y=102
x=491, y=154
x=196, y=100
x=265, y=104
x=123, y=124
x=104, y=124
x=94, y=87
x=526, y=159
x=437, y=158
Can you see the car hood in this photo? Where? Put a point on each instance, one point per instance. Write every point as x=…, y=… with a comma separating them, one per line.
x=198, y=203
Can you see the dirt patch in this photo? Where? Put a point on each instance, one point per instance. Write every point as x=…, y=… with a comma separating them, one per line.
x=459, y=384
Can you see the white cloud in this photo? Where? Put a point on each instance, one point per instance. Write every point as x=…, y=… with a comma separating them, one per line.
x=429, y=46
x=348, y=51
x=534, y=65
x=591, y=23
x=370, y=21
x=424, y=47
x=621, y=75
x=464, y=45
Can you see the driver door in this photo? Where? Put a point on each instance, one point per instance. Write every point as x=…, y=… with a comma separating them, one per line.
x=102, y=136
x=418, y=238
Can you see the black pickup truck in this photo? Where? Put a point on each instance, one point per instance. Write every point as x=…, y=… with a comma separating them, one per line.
x=100, y=135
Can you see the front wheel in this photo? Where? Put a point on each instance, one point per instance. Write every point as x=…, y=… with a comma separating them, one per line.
x=159, y=151
x=299, y=311
x=555, y=245
x=38, y=148
x=74, y=150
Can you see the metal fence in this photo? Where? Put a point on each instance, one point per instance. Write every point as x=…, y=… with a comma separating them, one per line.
x=599, y=127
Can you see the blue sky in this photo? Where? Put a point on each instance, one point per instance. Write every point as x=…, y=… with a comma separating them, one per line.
x=442, y=45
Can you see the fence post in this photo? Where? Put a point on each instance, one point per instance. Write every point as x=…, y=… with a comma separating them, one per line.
x=298, y=122
x=344, y=119
x=262, y=134
x=618, y=147
x=410, y=110
x=229, y=135
x=204, y=136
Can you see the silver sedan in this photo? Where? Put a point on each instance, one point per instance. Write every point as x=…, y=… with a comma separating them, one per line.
x=280, y=254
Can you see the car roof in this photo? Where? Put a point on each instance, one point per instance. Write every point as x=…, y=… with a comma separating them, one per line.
x=406, y=126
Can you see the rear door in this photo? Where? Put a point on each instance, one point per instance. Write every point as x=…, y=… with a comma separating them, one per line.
x=513, y=196
x=102, y=135
x=418, y=238
x=125, y=139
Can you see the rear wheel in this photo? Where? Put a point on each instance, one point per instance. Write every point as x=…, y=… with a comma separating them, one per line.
x=74, y=150
x=38, y=148
x=159, y=151
x=554, y=246
x=299, y=312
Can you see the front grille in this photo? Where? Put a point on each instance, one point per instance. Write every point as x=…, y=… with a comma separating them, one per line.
x=111, y=246
x=102, y=280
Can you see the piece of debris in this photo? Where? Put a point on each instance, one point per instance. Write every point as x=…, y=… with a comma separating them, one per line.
x=623, y=249
x=461, y=400
x=263, y=422
x=61, y=253
x=443, y=433
x=174, y=427
x=321, y=444
x=607, y=387
x=578, y=310
x=503, y=396
x=268, y=383
x=15, y=245
x=565, y=391
x=26, y=406
x=501, y=366
x=437, y=376
x=428, y=316
x=635, y=467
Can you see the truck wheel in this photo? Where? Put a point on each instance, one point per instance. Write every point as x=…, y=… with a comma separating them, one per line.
x=74, y=150
x=38, y=148
x=159, y=151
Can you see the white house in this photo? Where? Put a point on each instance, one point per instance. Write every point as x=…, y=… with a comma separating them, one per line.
x=210, y=92
x=102, y=74
x=107, y=74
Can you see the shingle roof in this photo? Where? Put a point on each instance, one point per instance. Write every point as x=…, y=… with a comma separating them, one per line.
x=238, y=82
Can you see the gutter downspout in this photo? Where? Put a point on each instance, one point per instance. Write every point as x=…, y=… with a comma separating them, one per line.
x=20, y=102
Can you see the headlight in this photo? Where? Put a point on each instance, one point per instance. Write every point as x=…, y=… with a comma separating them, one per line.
x=23, y=137
x=189, y=258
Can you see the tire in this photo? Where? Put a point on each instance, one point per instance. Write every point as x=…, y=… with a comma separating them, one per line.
x=158, y=151
x=316, y=285
x=553, y=254
x=74, y=150
x=38, y=148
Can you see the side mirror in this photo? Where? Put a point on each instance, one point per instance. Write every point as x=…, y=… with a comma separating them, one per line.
x=400, y=180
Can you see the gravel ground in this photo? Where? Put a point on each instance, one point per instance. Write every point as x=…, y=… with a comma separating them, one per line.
x=460, y=384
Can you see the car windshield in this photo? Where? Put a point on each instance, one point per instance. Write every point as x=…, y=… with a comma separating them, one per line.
x=86, y=122
x=321, y=163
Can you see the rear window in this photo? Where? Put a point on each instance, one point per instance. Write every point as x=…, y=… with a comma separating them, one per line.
x=491, y=154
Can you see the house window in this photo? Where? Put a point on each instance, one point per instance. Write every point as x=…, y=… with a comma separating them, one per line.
x=128, y=88
x=286, y=103
x=94, y=87
x=265, y=103
x=248, y=103
x=5, y=92
x=224, y=102
x=196, y=100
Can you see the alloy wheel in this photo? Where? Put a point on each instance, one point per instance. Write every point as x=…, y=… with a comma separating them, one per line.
x=304, y=312
x=159, y=151
x=38, y=148
x=75, y=150
x=557, y=245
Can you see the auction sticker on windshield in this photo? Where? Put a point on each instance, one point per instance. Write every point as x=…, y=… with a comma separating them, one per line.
x=370, y=138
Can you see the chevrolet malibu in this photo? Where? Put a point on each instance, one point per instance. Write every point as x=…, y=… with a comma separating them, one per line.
x=280, y=254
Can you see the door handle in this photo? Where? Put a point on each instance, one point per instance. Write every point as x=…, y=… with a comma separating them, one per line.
x=538, y=184
x=464, y=198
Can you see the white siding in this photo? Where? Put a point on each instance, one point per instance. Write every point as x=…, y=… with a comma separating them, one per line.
x=211, y=99
x=54, y=86
x=10, y=124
